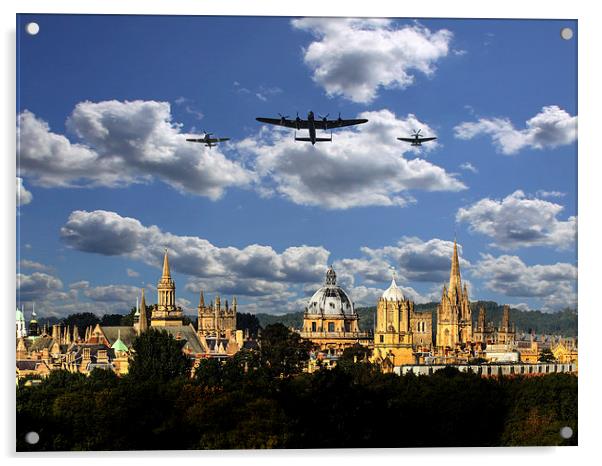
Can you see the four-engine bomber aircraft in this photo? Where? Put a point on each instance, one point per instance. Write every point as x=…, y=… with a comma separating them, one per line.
x=312, y=124
x=208, y=140
x=416, y=139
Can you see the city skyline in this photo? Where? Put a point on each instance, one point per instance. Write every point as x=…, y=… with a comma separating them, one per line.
x=108, y=180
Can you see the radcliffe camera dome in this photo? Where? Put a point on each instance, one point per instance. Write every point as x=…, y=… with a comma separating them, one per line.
x=393, y=293
x=331, y=300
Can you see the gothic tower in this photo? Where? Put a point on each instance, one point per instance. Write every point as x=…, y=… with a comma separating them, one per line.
x=454, y=317
x=216, y=320
x=392, y=330
x=165, y=313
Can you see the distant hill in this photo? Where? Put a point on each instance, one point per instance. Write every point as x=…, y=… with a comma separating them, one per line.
x=558, y=323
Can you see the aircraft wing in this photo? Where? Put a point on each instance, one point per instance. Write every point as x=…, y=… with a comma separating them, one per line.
x=330, y=124
x=407, y=139
x=426, y=139
x=213, y=140
x=301, y=124
x=195, y=140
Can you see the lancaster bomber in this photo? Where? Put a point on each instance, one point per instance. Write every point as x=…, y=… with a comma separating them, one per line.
x=312, y=124
x=208, y=140
x=416, y=139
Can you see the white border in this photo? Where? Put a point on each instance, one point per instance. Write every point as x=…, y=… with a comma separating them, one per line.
x=590, y=197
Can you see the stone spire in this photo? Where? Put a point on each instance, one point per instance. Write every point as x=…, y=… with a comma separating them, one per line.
x=455, y=281
x=75, y=334
x=166, y=273
x=202, y=300
x=143, y=322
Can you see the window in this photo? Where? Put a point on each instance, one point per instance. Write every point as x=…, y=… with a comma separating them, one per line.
x=313, y=326
x=382, y=338
x=331, y=326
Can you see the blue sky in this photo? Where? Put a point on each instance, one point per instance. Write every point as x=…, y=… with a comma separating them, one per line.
x=105, y=102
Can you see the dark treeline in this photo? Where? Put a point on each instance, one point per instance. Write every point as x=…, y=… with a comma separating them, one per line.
x=262, y=399
x=557, y=323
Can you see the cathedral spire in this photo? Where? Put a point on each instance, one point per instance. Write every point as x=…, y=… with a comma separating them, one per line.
x=202, y=300
x=455, y=281
x=143, y=322
x=166, y=273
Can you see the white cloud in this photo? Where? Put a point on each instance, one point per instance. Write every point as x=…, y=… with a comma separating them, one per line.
x=35, y=286
x=23, y=195
x=517, y=221
x=131, y=273
x=542, y=193
x=364, y=166
x=33, y=265
x=552, y=127
x=354, y=57
x=122, y=294
x=253, y=270
x=469, y=167
x=124, y=143
x=415, y=259
x=554, y=284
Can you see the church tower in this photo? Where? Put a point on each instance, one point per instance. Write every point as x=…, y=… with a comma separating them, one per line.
x=165, y=313
x=392, y=331
x=454, y=317
x=216, y=320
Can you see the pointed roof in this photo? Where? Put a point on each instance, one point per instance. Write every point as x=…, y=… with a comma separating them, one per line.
x=166, y=273
x=455, y=281
x=143, y=321
x=119, y=345
x=393, y=292
x=202, y=299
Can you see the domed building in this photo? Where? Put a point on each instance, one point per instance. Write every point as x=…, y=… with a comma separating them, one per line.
x=400, y=332
x=330, y=320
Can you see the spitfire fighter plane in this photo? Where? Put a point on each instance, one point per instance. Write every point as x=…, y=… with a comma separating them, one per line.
x=312, y=124
x=416, y=139
x=208, y=140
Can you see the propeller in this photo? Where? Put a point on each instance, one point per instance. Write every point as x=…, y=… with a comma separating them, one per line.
x=417, y=133
x=324, y=118
x=340, y=119
x=283, y=117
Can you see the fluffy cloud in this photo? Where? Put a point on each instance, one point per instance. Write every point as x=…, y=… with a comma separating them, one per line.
x=253, y=270
x=123, y=143
x=415, y=259
x=33, y=265
x=469, y=167
x=364, y=167
x=113, y=293
x=23, y=195
x=550, y=128
x=51, y=298
x=517, y=221
x=555, y=284
x=354, y=57
x=36, y=286
x=543, y=193
x=132, y=273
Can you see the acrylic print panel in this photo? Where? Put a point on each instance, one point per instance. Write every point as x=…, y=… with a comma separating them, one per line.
x=371, y=224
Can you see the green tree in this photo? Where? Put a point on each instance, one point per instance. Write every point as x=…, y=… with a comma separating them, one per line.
x=356, y=353
x=546, y=355
x=158, y=356
x=82, y=320
x=111, y=320
x=282, y=351
x=248, y=321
